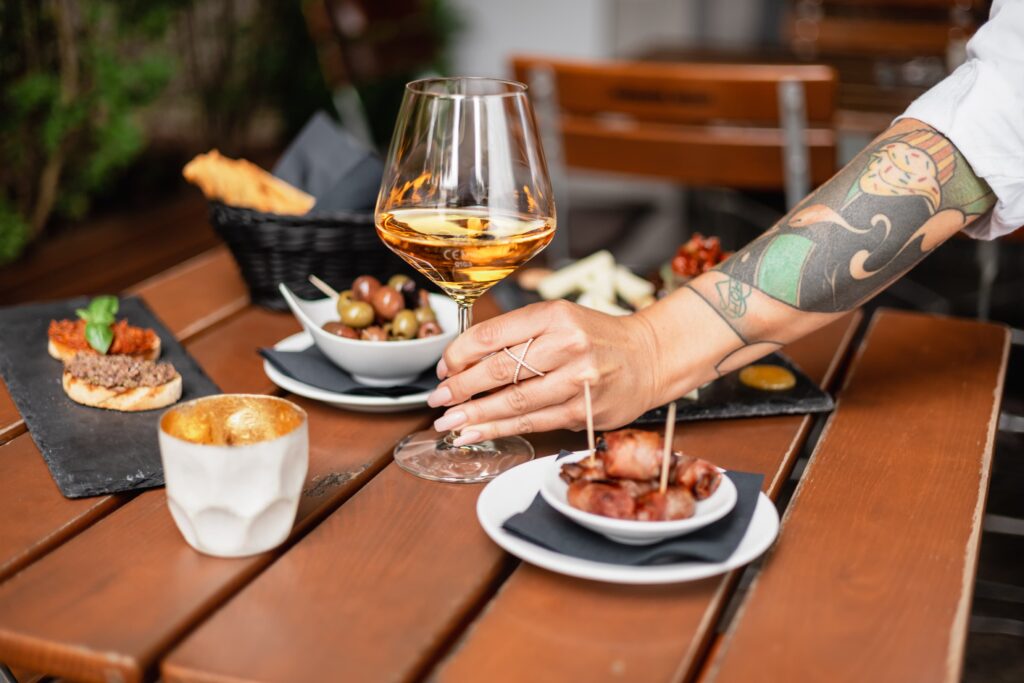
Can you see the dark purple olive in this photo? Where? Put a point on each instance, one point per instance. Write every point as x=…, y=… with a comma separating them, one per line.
x=364, y=286
x=374, y=333
x=341, y=330
x=429, y=329
x=410, y=294
x=387, y=303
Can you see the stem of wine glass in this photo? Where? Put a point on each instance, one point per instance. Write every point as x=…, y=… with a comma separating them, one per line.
x=465, y=321
x=465, y=316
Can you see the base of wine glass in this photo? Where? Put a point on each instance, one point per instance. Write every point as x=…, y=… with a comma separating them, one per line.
x=426, y=454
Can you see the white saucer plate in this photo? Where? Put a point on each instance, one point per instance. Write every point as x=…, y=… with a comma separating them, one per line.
x=364, y=404
x=514, y=491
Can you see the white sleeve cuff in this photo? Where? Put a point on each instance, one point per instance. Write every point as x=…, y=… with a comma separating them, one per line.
x=983, y=115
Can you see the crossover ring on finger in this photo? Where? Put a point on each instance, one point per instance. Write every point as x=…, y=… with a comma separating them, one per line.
x=521, y=362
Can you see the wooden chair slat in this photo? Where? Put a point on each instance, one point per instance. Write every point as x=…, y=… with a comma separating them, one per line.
x=97, y=571
x=684, y=93
x=891, y=538
x=548, y=626
x=736, y=157
x=866, y=36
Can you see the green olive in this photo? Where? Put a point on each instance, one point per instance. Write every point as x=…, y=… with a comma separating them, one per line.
x=425, y=315
x=396, y=281
x=357, y=314
x=344, y=298
x=405, y=325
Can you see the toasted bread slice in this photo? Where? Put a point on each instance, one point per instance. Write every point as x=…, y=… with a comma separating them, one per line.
x=238, y=182
x=119, y=382
x=128, y=400
x=65, y=353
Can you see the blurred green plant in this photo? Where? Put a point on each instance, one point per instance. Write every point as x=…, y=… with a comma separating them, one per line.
x=74, y=73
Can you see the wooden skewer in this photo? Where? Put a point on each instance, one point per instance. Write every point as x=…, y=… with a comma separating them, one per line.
x=670, y=428
x=323, y=286
x=590, y=424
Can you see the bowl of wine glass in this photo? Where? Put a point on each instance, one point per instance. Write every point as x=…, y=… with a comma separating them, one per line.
x=375, y=363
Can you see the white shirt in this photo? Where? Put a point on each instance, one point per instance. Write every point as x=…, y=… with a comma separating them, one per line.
x=980, y=108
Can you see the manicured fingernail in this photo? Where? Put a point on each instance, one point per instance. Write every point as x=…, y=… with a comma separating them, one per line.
x=442, y=369
x=467, y=437
x=440, y=396
x=450, y=420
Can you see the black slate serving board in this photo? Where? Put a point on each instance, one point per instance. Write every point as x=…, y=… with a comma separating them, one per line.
x=90, y=451
x=726, y=397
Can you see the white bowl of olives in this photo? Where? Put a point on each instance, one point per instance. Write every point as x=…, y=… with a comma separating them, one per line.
x=384, y=335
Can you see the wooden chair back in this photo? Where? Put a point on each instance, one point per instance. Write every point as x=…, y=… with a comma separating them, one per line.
x=896, y=29
x=696, y=124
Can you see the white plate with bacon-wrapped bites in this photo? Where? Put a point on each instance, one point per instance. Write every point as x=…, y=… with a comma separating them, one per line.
x=617, y=492
x=515, y=490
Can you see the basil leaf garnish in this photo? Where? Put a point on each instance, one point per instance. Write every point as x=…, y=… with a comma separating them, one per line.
x=99, y=335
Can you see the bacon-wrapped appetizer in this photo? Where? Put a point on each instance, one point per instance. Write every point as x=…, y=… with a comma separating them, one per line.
x=698, y=476
x=632, y=454
x=583, y=470
x=606, y=499
x=675, y=503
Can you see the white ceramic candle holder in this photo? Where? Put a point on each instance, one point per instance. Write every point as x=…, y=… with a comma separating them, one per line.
x=234, y=466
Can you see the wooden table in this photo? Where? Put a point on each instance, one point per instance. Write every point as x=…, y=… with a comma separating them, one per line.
x=387, y=577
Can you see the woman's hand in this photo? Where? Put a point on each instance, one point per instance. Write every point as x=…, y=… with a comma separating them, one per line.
x=572, y=345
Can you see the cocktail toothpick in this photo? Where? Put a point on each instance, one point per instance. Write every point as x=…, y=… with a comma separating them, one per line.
x=323, y=286
x=590, y=424
x=670, y=428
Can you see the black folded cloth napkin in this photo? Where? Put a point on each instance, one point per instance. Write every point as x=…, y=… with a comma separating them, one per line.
x=334, y=166
x=311, y=367
x=543, y=525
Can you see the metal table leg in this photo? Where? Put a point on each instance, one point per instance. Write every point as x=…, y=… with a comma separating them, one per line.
x=6, y=676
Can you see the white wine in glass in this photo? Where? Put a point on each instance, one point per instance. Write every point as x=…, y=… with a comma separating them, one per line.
x=465, y=200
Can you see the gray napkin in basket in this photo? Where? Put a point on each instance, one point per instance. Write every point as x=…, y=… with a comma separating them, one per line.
x=329, y=163
x=543, y=525
x=309, y=366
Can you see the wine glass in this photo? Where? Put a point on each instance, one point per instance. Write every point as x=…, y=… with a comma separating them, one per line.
x=465, y=200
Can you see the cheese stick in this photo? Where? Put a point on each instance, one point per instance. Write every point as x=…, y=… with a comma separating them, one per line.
x=632, y=288
x=573, y=278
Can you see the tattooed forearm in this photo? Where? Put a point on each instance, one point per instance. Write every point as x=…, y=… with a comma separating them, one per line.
x=900, y=198
x=897, y=201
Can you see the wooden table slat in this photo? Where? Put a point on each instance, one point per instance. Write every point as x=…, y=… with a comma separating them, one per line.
x=556, y=628
x=873, y=573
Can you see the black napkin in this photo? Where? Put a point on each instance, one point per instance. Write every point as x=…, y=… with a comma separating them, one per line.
x=545, y=526
x=309, y=366
x=329, y=163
